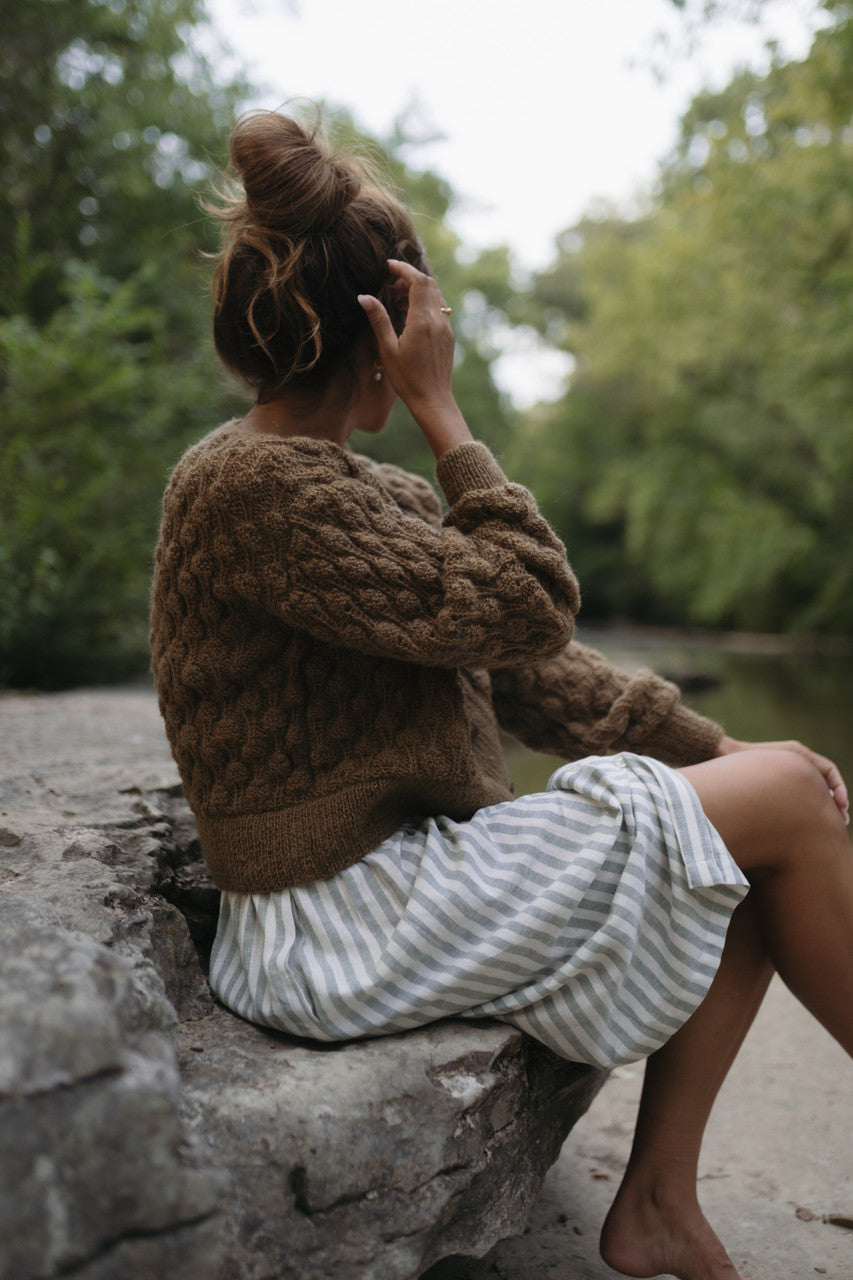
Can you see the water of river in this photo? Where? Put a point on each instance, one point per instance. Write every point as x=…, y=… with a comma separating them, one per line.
x=761, y=696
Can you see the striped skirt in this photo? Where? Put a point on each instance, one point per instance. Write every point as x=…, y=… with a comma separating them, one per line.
x=591, y=915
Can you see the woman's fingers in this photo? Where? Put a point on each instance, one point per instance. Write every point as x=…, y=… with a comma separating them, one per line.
x=406, y=271
x=400, y=295
x=416, y=293
x=835, y=782
x=386, y=338
x=423, y=289
x=419, y=362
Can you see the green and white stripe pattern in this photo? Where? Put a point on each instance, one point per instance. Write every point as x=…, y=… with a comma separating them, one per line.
x=591, y=915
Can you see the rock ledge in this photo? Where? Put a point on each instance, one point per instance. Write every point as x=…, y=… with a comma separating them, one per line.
x=145, y=1130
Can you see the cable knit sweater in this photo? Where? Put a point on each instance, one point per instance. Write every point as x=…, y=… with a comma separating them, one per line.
x=332, y=656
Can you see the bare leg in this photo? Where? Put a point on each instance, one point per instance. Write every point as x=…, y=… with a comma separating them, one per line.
x=655, y=1226
x=776, y=817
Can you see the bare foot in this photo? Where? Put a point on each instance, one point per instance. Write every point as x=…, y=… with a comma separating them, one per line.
x=643, y=1238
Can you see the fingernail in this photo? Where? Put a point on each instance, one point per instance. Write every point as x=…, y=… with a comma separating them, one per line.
x=365, y=300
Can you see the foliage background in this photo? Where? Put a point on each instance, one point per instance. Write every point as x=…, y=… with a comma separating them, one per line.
x=709, y=417
x=699, y=464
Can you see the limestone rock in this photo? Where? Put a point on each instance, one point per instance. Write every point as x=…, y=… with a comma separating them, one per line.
x=146, y=1131
x=91, y=1144
x=372, y=1160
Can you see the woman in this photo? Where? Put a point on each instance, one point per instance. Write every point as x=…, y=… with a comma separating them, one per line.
x=333, y=657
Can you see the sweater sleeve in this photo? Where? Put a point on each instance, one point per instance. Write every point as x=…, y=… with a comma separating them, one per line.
x=576, y=704
x=412, y=493
x=312, y=537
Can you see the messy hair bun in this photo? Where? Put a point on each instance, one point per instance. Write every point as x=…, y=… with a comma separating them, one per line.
x=304, y=232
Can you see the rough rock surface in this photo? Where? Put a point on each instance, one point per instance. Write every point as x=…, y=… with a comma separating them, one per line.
x=146, y=1131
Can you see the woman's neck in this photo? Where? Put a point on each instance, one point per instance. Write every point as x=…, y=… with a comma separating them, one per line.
x=283, y=417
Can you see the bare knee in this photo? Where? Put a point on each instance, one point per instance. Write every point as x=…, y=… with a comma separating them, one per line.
x=801, y=790
x=769, y=805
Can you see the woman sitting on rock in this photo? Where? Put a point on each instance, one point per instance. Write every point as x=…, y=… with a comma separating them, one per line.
x=334, y=657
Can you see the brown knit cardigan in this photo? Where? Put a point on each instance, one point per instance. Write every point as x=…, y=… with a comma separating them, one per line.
x=332, y=657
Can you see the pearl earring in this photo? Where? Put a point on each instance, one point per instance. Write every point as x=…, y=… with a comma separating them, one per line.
x=377, y=377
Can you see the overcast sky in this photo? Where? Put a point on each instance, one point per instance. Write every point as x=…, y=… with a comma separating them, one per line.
x=545, y=105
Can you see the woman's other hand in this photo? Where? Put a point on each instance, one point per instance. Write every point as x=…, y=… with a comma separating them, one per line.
x=419, y=362
x=824, y=766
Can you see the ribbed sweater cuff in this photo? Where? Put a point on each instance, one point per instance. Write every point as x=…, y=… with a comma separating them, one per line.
x=684, y=737
x=465, y=467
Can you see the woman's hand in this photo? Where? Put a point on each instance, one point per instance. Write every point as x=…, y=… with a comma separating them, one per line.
x=830, y=771
x=419, y=363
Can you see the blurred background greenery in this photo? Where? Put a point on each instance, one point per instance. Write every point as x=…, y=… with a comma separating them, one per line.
x=699, y=464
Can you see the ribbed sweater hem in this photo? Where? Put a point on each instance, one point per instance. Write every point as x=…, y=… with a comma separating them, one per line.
x=299, y=843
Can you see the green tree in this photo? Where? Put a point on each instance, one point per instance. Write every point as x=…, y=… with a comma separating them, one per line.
x=86, y=434
x=710, y=415
x=110, y=121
